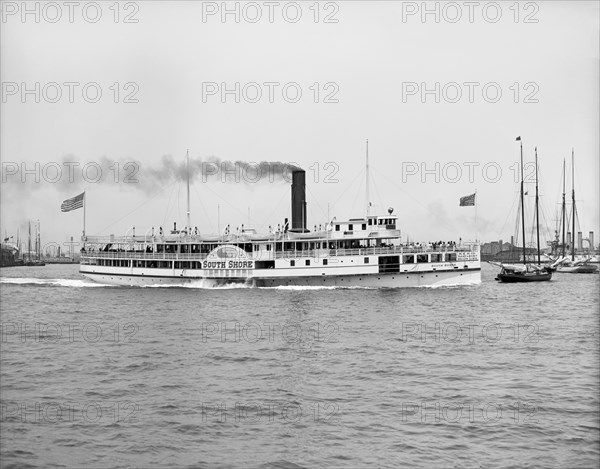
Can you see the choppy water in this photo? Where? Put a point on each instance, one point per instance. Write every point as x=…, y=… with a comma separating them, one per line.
x=487, y=376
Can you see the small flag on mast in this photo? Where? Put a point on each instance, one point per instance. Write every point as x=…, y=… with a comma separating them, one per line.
x=467, y=200
x=72, y=204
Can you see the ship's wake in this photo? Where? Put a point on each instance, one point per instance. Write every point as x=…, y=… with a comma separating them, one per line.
x=52, y=282
x=205, y=284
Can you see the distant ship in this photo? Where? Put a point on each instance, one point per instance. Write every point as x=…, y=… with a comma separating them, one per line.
x=9, y=254
x=528, y=272
x=360, y=252
x=13, y=255
x=572, y=266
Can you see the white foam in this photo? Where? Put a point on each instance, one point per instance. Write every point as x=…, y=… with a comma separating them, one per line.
x=205, y=284
x=59, y=282
x=317, y=287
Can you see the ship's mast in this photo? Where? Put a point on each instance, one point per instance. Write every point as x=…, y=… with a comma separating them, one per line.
x=189, y=223
x=38, y=242
x=573, y=197
x=367, y=185
x=537, y=209
x=522, y=201
x=564, y=208
x=29, y=242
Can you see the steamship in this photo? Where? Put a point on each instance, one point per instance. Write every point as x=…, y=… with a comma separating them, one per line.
x=360, y=252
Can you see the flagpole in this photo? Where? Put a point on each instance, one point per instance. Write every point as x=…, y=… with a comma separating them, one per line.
x=476, y=227
x=84, y=213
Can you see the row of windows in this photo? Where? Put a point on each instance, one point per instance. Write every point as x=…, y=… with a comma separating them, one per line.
x=196, y=248
x=248, y=247
x=148, y=264
x=407, y=259
x=387, y=222
x=437, y=257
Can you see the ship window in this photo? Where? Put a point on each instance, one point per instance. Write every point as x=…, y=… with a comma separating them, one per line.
x=350, y=227
x=436, y=257
x=268, y=247
x=364, y=226
x=312, y=246
x=324, y=261
x=337, y=227
x=292, y=263
x=422, y=257
x=409, y=259
x=451, y=257
x=370, y=221
x=366, y=260
x=278, y=246
x=307, y=262
x=256, y=246
x=389, y=264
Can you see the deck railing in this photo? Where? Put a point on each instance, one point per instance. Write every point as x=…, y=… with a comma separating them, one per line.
x=268, y=255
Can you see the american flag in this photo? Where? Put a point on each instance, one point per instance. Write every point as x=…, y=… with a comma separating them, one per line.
x=72, y=204
x=467, y=200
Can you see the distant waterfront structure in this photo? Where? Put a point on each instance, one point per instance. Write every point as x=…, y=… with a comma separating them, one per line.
x=505, y=251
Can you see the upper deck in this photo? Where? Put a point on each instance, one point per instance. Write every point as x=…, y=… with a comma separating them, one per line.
x=372, y=235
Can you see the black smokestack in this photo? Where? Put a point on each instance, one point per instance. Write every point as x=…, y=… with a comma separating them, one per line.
x=299, y=201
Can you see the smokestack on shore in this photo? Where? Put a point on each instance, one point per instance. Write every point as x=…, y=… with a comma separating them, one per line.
x=299, y=201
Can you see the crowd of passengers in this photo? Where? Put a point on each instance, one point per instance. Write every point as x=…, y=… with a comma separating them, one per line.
x=436, y=245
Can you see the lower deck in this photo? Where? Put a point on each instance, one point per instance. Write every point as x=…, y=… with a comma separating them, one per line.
x=468, y=274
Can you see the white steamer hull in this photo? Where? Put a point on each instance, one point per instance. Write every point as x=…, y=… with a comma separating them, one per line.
x=470, y=276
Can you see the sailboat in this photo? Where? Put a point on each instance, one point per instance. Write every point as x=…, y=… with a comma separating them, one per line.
x=572, y=266
x=36, y=261
x=512, y=273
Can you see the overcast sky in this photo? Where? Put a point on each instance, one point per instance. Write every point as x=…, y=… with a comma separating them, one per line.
x=363, y=70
